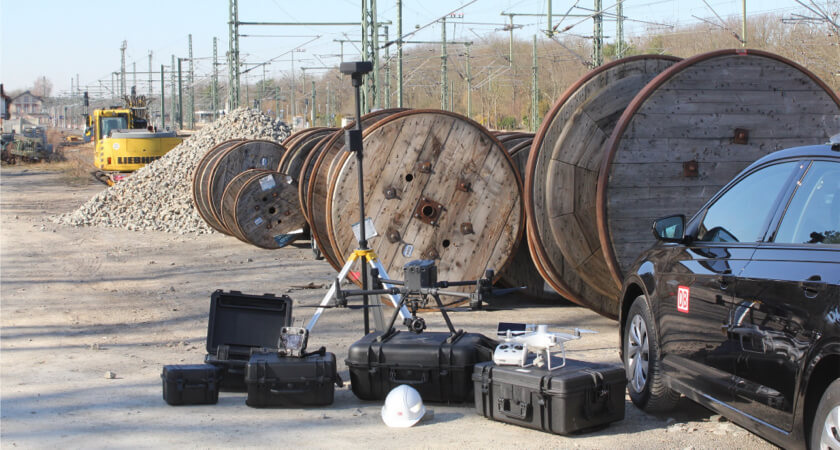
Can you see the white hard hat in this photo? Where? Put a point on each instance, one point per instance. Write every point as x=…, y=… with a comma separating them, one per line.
x=403, y=407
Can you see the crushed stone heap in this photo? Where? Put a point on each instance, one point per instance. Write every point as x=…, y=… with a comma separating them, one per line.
x=158, y=197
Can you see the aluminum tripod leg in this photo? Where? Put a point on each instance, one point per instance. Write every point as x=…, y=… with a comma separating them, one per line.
x=395, y=299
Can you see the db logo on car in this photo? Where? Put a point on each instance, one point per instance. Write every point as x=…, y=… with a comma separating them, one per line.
x=682, y=299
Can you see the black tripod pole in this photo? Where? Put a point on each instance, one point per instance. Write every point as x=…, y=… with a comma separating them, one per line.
x=353, y=140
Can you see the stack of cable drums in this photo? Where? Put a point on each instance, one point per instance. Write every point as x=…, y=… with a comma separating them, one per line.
x=237, y=192
x=647, y=136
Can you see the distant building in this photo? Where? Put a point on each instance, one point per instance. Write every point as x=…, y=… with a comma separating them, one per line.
x=29, y=106
x=5, y=104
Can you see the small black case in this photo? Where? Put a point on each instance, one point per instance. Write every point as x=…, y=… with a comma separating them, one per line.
x=438, y=364
x=239, y=323
x=191, y=384
x=290, y=381
x=574, y=398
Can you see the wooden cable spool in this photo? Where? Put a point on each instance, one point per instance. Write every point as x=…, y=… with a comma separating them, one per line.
x=230, y=162
x=519, y=150
x=292, y=140
x=260, y=207
x=306, y=173
x=322, y=169
x=437, y=186
x=201, y=186
x=521, y=271
x=691, y=130
x=297, y=151
x=561, y=174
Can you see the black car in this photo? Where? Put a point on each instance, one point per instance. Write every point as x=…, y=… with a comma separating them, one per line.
x=738, y=308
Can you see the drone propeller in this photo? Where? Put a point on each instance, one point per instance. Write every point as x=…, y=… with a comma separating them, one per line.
x=339, y=306
x=490, y=308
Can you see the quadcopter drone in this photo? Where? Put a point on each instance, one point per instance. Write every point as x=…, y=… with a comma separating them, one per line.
x=521, y=340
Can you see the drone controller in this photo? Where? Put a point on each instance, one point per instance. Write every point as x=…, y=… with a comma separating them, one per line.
x=293, y=341
x=511, y=354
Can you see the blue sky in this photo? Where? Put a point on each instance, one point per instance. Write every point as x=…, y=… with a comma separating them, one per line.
x=59, y=39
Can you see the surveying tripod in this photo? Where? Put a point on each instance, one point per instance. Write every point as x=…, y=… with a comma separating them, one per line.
x=353, y=141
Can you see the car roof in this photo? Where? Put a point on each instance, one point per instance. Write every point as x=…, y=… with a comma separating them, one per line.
x=829, y=150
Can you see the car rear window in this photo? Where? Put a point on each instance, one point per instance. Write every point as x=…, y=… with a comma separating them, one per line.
x=813, y=216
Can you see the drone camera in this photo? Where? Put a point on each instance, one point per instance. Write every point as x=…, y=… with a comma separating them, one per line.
x=420, y=274
x=415, y=324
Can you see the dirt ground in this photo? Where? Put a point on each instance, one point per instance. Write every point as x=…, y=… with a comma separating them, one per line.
x=76, y=303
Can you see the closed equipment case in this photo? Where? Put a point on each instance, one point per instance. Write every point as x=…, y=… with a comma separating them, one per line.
x=191, y=384
x=438, y=364
x=275, y=380
x=574, y=398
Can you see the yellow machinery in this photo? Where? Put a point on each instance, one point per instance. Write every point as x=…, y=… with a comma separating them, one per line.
x=124, y=141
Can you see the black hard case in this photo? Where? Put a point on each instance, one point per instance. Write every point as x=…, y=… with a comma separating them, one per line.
x=275, y=380
x=238, y=323
x=191, y=384
x=574, y=398
x=438, y=364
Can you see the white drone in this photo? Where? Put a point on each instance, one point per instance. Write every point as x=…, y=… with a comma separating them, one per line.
x=520, y=340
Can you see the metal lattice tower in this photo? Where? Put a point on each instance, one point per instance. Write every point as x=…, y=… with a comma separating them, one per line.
x=387, y=71
x=535, y=90
x=122, y=68
x=444, y=84
x=598, y=36
x=214, y=86
x=233, y=54
x=150, y=74
x=370, y=52
x=191, y=89
x=172, y=95
x=399, y=55
x=469, y=84
x=619, y=29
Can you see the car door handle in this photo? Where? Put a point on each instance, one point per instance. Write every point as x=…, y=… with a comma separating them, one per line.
x=812, y=289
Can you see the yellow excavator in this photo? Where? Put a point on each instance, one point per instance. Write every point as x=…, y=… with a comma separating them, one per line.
x=124, y=141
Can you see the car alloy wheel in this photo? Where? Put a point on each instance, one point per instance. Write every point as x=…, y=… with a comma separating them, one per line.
x=638, y=353
x=830, y=437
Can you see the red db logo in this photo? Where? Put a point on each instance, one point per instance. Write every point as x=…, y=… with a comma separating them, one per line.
x=682, y=299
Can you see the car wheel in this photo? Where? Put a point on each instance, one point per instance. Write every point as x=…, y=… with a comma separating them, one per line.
x=642, y=361
x=825, y=431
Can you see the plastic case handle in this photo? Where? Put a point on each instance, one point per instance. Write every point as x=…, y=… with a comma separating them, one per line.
x=505, y=407
x=424, y=377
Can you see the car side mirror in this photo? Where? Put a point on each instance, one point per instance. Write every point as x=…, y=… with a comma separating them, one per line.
x=670, y=228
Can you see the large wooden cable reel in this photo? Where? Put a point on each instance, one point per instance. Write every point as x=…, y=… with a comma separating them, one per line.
x=201, y=183
x=691, y=130
x=298, y=150
x=323, y=167
x=561, y=178
x=260, y=207
x=437, y=186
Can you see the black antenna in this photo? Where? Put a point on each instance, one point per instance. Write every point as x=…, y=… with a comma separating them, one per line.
x=353, y=141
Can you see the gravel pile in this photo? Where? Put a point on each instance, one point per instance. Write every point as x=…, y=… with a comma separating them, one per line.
x=158, y=197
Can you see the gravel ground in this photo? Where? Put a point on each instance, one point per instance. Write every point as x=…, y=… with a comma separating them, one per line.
x=78, y=303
